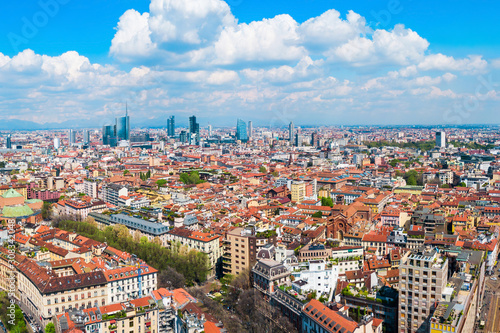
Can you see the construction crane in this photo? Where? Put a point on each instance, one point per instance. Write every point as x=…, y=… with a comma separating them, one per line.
x=139, y=266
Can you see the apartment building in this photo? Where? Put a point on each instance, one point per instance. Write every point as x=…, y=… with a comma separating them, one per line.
x=240, y=251
x=201, y=241
x=298, y=189
x=45, y=294
x=123, y=283
x=422, y=280
x=111, y=193
x=90, y=187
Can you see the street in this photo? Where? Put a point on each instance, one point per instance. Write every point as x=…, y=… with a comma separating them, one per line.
x=490, y=312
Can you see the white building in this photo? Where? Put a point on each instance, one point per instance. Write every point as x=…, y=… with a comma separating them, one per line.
x=316, y=275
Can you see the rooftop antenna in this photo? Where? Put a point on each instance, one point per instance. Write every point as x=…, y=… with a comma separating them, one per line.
x=126, y=109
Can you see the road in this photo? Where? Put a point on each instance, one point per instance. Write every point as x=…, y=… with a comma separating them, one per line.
x=490, y=311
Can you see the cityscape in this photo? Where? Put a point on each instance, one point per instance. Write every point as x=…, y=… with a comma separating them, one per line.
x=209, y=166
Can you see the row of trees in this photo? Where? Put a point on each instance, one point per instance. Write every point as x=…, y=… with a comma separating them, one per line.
x=191, y=264
x=16, y=324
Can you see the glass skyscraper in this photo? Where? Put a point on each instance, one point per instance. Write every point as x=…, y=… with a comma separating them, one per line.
x=194, y=131
x=123, y=128
x=171, y=126
x=241, y=131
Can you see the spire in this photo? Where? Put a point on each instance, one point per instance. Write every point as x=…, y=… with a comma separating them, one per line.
x=126, y=109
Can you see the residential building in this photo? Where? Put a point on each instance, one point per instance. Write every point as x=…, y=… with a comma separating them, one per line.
x=422, y=281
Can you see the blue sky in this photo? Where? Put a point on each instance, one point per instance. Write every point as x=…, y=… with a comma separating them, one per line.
x=310, y=61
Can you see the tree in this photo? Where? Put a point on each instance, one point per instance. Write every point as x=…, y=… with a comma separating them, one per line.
x=462, y=184
x=393, y=162
x=125, y=172
x=326, y=202
x=46, y=210
x=91, y=221
x=171, y=279
x=121, y=231
x=161, y=182
x=50, y=328
x=318, y=214
x=262, y=169
x=190, y=178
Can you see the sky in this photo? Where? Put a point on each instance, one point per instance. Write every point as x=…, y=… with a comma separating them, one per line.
x=313, y=62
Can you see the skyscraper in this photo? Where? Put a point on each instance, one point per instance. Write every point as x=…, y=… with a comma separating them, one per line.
x=171, y=126
x=209, y=130
x=291, y=136
x=441, y=139
x=250, y=129
x=86, y=136
x=122, y=128
x=57, y=143
x=72, y=137
x=8, y=142
x=194, y=131
x=241, y=130
x=108, y=135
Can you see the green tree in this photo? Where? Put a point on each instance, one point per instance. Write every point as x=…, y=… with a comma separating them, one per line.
x=318, y=214
x=125, y=172
x=462, y=184
x=394, y=162
x=326, y=202
x=262, y=169
x=50, y=328
x=46, y=210
x=161, y=182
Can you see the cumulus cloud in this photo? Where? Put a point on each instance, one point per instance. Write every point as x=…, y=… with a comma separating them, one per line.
x=400, y=46
x=472, y=64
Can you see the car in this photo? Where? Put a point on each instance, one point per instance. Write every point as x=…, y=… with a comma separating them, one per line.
x=493, y=278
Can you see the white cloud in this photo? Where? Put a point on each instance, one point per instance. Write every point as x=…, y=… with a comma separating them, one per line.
x=329, y=30
x=188, y=21
x=400, y=47
x=133, y=37
x=267, y=40
x=472, y=64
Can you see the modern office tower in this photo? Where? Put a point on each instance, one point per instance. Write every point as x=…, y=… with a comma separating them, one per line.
x=57, y=143
x=241, y=131
x=123, y=128
x=8, y=142
x=72, y=137
x=108, y=135
x=250, y=129
x=441, y=139
x=171, y=126
x=291, y=133
x=86, y=136
x=209, y=130
x=194, y=131
x=422, y=280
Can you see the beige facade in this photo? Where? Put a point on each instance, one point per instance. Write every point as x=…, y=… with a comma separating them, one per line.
x=239, y=252
x=422, y=279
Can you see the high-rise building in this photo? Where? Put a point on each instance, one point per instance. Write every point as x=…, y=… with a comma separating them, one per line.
x=250, y=129
x=241, y=131
x=108, y=135
x=57, y=143
x=194, y=131
x=8, y=142
x=86, y=136
x=291, y=135
x=441, y=139
x=314, y=139
x=171, y=126
x=209, y=130
x=72, y=137
x=422, y=281
x=122, y=128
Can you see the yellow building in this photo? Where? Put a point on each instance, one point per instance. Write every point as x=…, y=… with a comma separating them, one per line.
x=298, y=191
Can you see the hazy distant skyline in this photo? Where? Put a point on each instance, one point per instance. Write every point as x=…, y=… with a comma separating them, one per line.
x=272, y=62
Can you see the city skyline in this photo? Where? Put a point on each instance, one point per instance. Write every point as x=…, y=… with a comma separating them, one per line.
x=324, y=64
